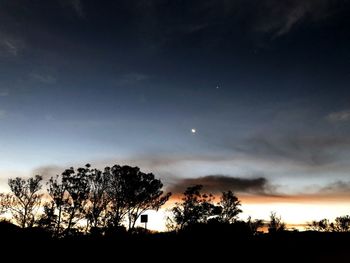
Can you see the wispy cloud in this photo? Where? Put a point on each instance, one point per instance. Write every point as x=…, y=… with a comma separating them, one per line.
x=293, y=16
x=131, y=78
x=73, y=6
x=9, y=47
x=316, y=150
x=279, y=17
x=339, y=116
x=337, y=187
x=78, y=8
x=43, y=78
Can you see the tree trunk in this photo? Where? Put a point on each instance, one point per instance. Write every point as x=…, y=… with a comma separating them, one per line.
x=70, y=220
x=130, y=221
x=59, y=221
x=24, y=217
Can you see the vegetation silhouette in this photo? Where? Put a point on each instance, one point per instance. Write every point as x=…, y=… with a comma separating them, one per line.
x=84, y=201
x=95, y=209
x=197, y=208
x=275, y=224
x=340, y=224
x=25, y=200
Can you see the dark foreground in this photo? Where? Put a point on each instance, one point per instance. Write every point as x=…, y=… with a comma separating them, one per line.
x=188, y=246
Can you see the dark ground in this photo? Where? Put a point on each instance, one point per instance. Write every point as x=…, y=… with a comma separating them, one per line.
x=195, y=245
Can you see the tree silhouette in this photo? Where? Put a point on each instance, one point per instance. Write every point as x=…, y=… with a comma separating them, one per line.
x=117, y=208
x=69, y=193
x=254, y=225
x=77, y=187
x=25, y=199
x=229, y=204
x=132, y=192
x=48, y=219
x=53, y=211
x=98, y=199
x=5, y=203
x=144, y=193
x=275, y=224
x=321, y=226
x=341, y=224
x=194, y=208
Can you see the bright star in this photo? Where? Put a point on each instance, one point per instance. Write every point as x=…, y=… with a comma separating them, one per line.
x=193, y=131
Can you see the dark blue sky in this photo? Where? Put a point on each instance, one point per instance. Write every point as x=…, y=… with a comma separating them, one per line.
x=264, y=83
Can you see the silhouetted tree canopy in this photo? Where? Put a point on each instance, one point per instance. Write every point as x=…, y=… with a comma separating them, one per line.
x=88, y=200
x=276, y=224
x=143, y=192
x=229, y=205
x=341, y=224
x=116, y=196
x=198, y=208
x=321, y=226
x=132, y=192
x=254, y=225
x=5, y=203
x=195, y=207
x=97, y=210
x=25, y=199
x=100, y=199
x=69, y=196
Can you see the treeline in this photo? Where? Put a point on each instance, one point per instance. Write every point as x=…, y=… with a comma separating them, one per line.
x=340, y=224
x=197, y=208
x=88, y=200
x=93, y=201
x=83, y=200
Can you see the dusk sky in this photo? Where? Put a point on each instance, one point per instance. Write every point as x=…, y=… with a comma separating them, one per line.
x=264, y=85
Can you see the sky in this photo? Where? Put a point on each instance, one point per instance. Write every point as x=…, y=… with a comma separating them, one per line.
x=263, y=83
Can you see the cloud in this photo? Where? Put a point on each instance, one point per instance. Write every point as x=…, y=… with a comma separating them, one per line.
x=339, y=187
x=292, y=18
x=279, y=17
x=273, y=17
x=338, y=191
x=78, y=8
x=49, y=171
x=10, y=47
x=313, y=150
x=258, y=189
x=43, y=78
x=339, y=116
x=131, y=78
x=219, y=183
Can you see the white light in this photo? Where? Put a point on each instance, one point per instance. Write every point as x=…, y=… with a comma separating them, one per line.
x=193, y=131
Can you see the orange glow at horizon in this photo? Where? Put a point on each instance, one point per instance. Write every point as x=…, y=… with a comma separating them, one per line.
x=296, y=211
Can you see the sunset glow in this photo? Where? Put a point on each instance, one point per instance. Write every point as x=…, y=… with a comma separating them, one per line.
x=245, y=96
